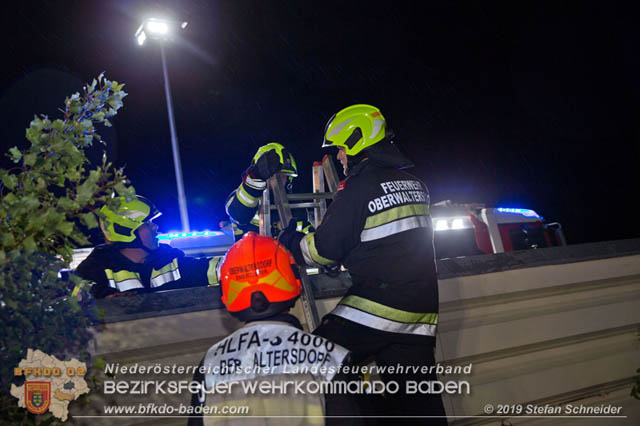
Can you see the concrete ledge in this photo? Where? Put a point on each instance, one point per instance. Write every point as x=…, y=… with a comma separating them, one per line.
x=207, y=298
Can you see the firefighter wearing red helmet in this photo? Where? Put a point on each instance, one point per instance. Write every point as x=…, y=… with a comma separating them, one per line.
x=259, y=286
x=378, y=226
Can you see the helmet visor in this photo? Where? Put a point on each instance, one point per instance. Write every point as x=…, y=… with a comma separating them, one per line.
x=326, y=142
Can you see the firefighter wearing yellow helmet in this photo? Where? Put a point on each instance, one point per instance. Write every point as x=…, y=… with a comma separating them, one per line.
x=133, y=261
x=378, y=226
x=242, y=203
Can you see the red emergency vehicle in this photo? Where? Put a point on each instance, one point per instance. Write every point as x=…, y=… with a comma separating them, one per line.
x=471, y=229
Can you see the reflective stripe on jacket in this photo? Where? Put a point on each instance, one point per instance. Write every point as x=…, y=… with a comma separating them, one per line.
x=165, y=268
x=123, y=280
x=242, y=208
x=378, y=226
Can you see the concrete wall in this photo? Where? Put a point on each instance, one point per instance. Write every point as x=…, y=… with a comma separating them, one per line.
x=551, y=334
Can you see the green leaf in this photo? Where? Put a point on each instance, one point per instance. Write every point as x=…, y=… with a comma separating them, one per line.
x=89, y=219
x=30, y=159
x=85, y=192
x=10, y=181
x=29, y=244
x=10, y=199
x=115, y=104
x=58, y=125
x=30, y=202
x=124, y=190
x=36, y=123
x=15, y=154
x=67, y=204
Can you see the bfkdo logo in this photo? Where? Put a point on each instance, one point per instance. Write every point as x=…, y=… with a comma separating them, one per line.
x=50, y=384
x=37, y=396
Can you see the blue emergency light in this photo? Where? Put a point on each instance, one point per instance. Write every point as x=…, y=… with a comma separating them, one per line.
x=523, y=212
x=174, y=235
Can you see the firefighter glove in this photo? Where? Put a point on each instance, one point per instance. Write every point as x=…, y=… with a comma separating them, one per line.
x=290, y=238
x=267, y=165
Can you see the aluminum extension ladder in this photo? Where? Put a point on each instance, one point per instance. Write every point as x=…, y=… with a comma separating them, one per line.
x=322, y=171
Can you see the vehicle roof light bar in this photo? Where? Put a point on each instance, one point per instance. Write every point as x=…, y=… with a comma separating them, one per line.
x=174, y=235
x=523, y=212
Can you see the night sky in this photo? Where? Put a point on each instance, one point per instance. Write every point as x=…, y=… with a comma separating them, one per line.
x=514, y=104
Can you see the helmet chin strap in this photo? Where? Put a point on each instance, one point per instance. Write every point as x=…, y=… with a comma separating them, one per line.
x=137, y=243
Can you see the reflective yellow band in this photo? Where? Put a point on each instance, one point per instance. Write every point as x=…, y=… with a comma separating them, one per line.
x=276, y=279
x=395, y=214
x=388, y=312
x=255, y=183
x=245, y=198
x=123, y=280
x=166, y=268
x=166, y=274
x=76, y=289
x=373, y=321
x=229, y=201
x=310, y=253
x=395, y=227
x=212, y=272
x=235, y=288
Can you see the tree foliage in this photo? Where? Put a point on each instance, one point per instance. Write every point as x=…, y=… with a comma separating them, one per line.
x=48, y=201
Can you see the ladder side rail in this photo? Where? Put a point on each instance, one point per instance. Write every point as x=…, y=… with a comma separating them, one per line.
x=280, y=199
x=307, y=298
x=330, y=173
x=318, y=187
x=264, y=214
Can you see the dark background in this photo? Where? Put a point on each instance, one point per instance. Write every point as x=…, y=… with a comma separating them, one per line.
x=513, y=104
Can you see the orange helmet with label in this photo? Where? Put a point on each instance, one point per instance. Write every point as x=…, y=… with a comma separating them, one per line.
x=257, y=278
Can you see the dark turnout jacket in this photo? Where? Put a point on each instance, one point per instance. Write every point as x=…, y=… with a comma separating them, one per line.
x=166, y=268
x=242, y=208
x=378, y=226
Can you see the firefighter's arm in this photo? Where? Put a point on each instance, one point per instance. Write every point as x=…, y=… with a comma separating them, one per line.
x=242, y=203
x=333, y=239
x=91, y=270
x=199, y=271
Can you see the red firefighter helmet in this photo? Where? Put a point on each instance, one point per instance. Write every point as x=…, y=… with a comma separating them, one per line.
x=257, y=278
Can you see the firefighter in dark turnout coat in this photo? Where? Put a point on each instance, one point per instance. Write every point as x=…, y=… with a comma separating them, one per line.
x=133, y=261
x=242, y=203
x=378, y=226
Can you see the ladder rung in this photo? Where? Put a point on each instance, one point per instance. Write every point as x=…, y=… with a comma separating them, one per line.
x=297, y=206
x=311, y=196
